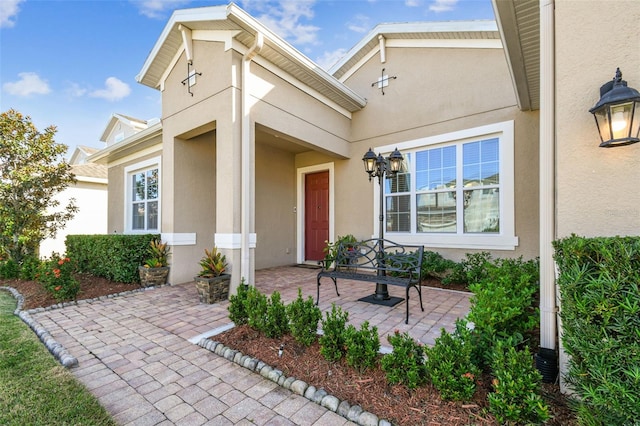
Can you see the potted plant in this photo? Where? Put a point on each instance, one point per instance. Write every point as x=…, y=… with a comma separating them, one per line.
x=155, y=270
x=212, y=282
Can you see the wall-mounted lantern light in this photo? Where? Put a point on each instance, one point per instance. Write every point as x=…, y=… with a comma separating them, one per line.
x=617, y=113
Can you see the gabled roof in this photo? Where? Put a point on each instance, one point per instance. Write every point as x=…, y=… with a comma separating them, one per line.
x=440, y=33
x=243, y=29
x=90, y=170
x=134, y=123
x=519, y=23
x=81, y=153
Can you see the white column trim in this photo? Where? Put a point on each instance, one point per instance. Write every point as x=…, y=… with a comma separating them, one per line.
x=233, y=241
x=179, y=238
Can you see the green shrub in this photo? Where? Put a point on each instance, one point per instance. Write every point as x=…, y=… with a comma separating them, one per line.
x=56, y=275
x=238, y=305
x=434, y=265
x=256, y=307
x=504, y=304
x=332, y=341
x=276, y=323
x=362, y=346
x=472, y=269
x=9, y=269
x=406, y=364
x=29, y=268
x=516, y=387
x=115, y=257
x=304, y=316
x=599, y=285
x=450, y=364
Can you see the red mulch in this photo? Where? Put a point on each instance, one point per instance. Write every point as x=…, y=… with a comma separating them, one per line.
x=370, y=390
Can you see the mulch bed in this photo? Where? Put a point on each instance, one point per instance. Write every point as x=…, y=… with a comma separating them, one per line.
x=370, y=390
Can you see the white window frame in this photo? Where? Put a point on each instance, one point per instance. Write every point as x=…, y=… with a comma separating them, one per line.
x=129, y=171
x=503, y=240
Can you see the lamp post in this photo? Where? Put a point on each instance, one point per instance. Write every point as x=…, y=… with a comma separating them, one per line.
x=617, y=113
x=378, y=166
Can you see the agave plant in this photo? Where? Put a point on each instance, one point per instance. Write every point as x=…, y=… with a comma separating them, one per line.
x=213, y=263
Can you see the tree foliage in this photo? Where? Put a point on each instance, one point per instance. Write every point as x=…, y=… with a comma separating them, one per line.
x=32, y=172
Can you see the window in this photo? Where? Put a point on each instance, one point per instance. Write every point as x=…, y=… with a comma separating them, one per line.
x=143, y=197
x=454, y=190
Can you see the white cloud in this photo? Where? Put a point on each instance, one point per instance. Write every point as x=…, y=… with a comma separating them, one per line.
x=284, y=18
x=75, y=90
x=8, y=11
x=328, y=59
x=156, y=9
x=442, y=5
x=29, y=84
x=359, y=24
x=114, y=90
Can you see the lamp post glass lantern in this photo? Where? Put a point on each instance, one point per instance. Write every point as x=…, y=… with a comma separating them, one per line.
x=380, y=167
x=617, y=113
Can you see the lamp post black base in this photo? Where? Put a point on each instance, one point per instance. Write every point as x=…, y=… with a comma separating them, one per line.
x=391, y=301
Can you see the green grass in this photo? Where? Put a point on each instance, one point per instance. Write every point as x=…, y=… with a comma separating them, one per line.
x=34, y=388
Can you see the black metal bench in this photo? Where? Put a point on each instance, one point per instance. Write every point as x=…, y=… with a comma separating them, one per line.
x=378, y=261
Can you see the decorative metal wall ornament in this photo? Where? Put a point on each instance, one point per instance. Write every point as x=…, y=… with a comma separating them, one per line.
x=383, y=81
x=191, y=78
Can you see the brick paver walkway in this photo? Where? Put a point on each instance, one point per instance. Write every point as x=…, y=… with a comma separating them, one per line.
x=137, y=354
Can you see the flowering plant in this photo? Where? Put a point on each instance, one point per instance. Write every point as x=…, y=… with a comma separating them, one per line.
x=56, y=275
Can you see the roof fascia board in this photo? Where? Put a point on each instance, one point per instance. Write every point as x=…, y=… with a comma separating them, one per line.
x=417, y=27
x=101, y=156
x=274, y=41
x=89, y=179
x=361, y=63
x=508, y=27
x=181, y=16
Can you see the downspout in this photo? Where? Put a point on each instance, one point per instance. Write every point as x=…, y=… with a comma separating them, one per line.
x=547, y=358
x=245, y=225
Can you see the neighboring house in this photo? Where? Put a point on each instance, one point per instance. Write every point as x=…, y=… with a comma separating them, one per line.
x=90, y=194
x=259, y=151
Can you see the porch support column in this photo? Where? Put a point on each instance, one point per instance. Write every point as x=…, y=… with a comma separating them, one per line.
x=248, y=166
x=548, y=308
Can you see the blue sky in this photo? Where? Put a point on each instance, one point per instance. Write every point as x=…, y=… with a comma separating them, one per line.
x=73, y=63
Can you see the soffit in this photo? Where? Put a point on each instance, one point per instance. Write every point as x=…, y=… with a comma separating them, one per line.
x=451, y=30
x=519, y=23
x=244, y=29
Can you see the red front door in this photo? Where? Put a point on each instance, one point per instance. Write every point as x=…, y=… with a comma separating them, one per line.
x=316, y=214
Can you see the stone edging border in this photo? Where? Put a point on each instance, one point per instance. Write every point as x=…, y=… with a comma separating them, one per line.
x=353, y=413
x=59, y=352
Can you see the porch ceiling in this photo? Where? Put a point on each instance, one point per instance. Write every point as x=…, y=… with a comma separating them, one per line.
x=243, y=29
x=519, y=23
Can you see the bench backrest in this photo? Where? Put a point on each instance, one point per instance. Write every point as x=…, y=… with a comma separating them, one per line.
x=362, y=256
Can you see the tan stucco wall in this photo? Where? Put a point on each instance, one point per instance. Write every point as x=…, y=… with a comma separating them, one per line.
x=597, y=190
x=434, y=93
x=275, y=203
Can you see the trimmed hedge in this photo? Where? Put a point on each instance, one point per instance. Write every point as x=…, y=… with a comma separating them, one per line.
x=115, y=256
x=600, y=294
